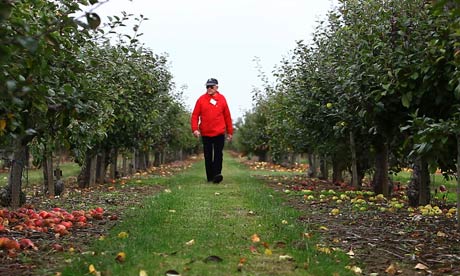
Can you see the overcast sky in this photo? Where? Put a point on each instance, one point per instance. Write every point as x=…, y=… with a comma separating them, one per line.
x=221, y=38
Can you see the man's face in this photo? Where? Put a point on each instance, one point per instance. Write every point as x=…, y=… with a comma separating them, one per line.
x=213, y=89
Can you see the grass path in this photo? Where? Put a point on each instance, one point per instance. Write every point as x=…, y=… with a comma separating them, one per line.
x=179, y=228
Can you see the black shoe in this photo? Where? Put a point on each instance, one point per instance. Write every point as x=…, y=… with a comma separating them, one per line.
x=218, y=178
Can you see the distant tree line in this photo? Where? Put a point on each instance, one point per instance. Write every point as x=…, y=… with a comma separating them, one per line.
x=68, y=82
x=377, y=89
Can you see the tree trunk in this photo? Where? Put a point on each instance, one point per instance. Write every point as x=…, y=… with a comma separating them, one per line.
x=337, y=169
x=418, y=190
x=163, y=157
x=262, y=155
x=142, y=160
x=99, y=166
x=324, y=173
x=103, y=162
x=311, y=166
x=354, y=166
x=15, y=177
x=45, y=174
x=113, y=163
x=49, y=172
x=380, y=180
x=412, y=188
x=458, y=181
x=134, y=161
x=147, y=159
x=85, y=171
x=88, y=172
x=125, y=166
x=424, y=188
x=156, y=159
x=361, y=173
x=131, y=167
x=92, y=170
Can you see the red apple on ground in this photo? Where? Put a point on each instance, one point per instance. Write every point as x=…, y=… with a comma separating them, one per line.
x=67, y=224
x=57, y=247
x=27, y=244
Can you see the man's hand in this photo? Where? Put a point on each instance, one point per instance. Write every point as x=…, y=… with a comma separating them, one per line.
x=229, y=137
x=196, y=133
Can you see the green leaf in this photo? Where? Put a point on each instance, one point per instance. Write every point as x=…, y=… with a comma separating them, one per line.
x=439, y=59
x=17, y=101
x=404, y=128
x=68, y=88
x=406, y=99
x=29, y=43
x=421, y=148
x=31, y=131
x=11, y=85
x=414, y=76
x=5, y=10
x=457, y=91
x=41, y=106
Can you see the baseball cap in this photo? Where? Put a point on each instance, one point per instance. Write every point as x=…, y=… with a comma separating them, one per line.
x=212, y=81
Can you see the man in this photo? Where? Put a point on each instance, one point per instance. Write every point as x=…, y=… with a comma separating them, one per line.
x=211, y=120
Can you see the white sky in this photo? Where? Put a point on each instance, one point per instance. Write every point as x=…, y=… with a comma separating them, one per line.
x=220, y=39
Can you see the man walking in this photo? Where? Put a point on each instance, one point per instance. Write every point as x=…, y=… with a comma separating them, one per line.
x=211, y=120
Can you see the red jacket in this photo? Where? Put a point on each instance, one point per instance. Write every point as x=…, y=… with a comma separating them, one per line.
x=213, y=115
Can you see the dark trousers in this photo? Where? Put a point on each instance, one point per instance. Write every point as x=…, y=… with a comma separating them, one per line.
x=213, y=147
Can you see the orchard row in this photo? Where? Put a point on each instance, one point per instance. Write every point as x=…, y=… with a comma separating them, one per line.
x=70, y=83
x=376, y=90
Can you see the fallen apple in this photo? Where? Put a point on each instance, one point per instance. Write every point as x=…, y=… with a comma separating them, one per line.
x=60, y=229
x=57, y=247
x=67, y=224
x=69, y=217
x=44, y=214
x=9, y=244
x=335, y=212
x=26, y=244
x=39, y=222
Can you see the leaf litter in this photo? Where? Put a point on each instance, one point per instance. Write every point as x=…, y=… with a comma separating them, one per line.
x=42, y=251
x=382, y=236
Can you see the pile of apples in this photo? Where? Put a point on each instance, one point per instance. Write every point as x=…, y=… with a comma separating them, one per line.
x=56, y=221
x=12, y=246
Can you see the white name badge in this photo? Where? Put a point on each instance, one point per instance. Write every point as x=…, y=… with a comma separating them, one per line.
x=213, y=102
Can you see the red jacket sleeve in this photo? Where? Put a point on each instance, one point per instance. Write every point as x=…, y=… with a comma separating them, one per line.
x=195, y=115
x=228, y=119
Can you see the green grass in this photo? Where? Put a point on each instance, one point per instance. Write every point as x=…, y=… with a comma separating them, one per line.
x=436, y=181
x=220, y=219
x=36, y=176
x=276, y=173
